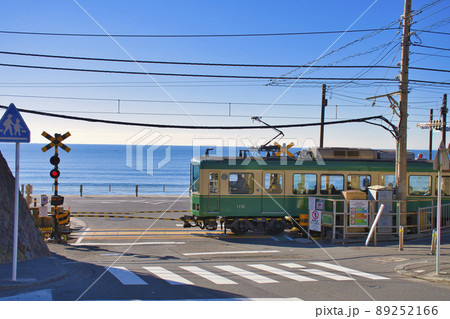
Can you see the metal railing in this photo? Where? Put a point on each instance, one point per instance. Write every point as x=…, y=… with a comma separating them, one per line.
x=347, y=224
x=427, y=218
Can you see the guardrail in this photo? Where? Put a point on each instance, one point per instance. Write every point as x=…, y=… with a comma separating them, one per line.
x=427, y=218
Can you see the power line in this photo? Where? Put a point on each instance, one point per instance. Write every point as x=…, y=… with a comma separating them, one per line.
x=151, y=101
x=187, y=35
x=186, y=74
x=430, y=47
x=392, y=130
x=185, y=63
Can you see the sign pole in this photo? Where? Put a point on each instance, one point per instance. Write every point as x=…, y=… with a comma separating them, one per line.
x=16, y=214
x=13, y=129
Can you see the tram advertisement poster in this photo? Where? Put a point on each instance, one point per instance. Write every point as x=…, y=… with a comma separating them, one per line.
x=359, y=213
x=315, y=220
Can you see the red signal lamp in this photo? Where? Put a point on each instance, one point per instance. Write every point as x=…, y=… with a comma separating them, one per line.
x=54, y=173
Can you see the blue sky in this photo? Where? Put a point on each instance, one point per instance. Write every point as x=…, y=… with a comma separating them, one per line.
x=206, y=101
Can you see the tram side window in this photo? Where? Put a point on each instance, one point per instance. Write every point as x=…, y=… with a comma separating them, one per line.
x=388, y=181
x=331, y=184
x=273, y=183
x=240, y=183
x=195, y=178
x=445, y=184
x=359, y=182
x=213, y=183
x=304, y=183
x=419, y=185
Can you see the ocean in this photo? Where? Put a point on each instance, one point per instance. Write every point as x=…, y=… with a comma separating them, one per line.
x=110, y=169
x=104, y=169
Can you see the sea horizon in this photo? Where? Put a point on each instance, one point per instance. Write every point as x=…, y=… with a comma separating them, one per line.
x=113, y=169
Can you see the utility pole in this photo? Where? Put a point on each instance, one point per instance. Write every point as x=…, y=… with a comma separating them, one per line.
x=403, y=113
x=322, y=114
x=430, y=143
x=444, y=111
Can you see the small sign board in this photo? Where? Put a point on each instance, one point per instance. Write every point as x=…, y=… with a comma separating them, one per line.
x=311, y=203
x=320, y=204
x=315, y=220
x=13, y=128
x=57, y=200
x=359, y=213
x=44, y=200
x=327, y=219
x=43, y=211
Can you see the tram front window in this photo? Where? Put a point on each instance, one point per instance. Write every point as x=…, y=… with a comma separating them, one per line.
x=195, y=178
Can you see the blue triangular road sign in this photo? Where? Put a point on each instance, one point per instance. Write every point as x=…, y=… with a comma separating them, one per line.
x=13, y=128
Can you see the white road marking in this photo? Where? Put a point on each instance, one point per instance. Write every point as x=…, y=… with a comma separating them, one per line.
x=232, y=252
x=82, y=235
x=132, y=244
x=217, y=279
x=283, y=273
x=247, y=274
x=349, y=271
x=318, y=272
x=125, y=276
x=168, y=276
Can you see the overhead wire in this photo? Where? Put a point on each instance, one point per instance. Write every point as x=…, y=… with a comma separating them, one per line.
x=183, y=35
x=393, y=130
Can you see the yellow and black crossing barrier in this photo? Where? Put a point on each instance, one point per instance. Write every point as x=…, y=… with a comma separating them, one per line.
x=119, y=216
x=63, y=218
x=131, y=215
x=162, y=211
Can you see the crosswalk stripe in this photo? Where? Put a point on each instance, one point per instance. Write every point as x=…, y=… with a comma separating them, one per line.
x=282, y=273
x=349, y=271
x=168, y=276
x=125, y=276
x=247, y=274
x=217, y=279
x=317, y=272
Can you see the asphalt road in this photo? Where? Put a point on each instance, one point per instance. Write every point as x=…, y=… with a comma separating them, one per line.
x=153, y=259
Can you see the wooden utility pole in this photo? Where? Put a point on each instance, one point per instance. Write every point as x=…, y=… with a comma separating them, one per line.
x=444, y=111
x=322, y=114
x=403, y=113
x=430, y=143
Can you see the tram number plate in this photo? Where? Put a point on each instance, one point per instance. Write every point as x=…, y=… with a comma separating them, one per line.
x=241, y=206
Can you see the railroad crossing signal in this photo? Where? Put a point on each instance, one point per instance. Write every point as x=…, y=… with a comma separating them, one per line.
x=54, y=160
x=55, y=141
x=58, y=218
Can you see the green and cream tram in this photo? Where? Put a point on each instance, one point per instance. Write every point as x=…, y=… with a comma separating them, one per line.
x=260, y=193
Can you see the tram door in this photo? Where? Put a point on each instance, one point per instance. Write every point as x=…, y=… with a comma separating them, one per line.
x=273, y=193
x=213, y=192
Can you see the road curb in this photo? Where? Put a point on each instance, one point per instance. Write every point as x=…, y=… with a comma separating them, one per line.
x=428, y=273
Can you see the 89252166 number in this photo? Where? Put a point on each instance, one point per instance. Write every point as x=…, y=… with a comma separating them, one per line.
x=407, y=310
